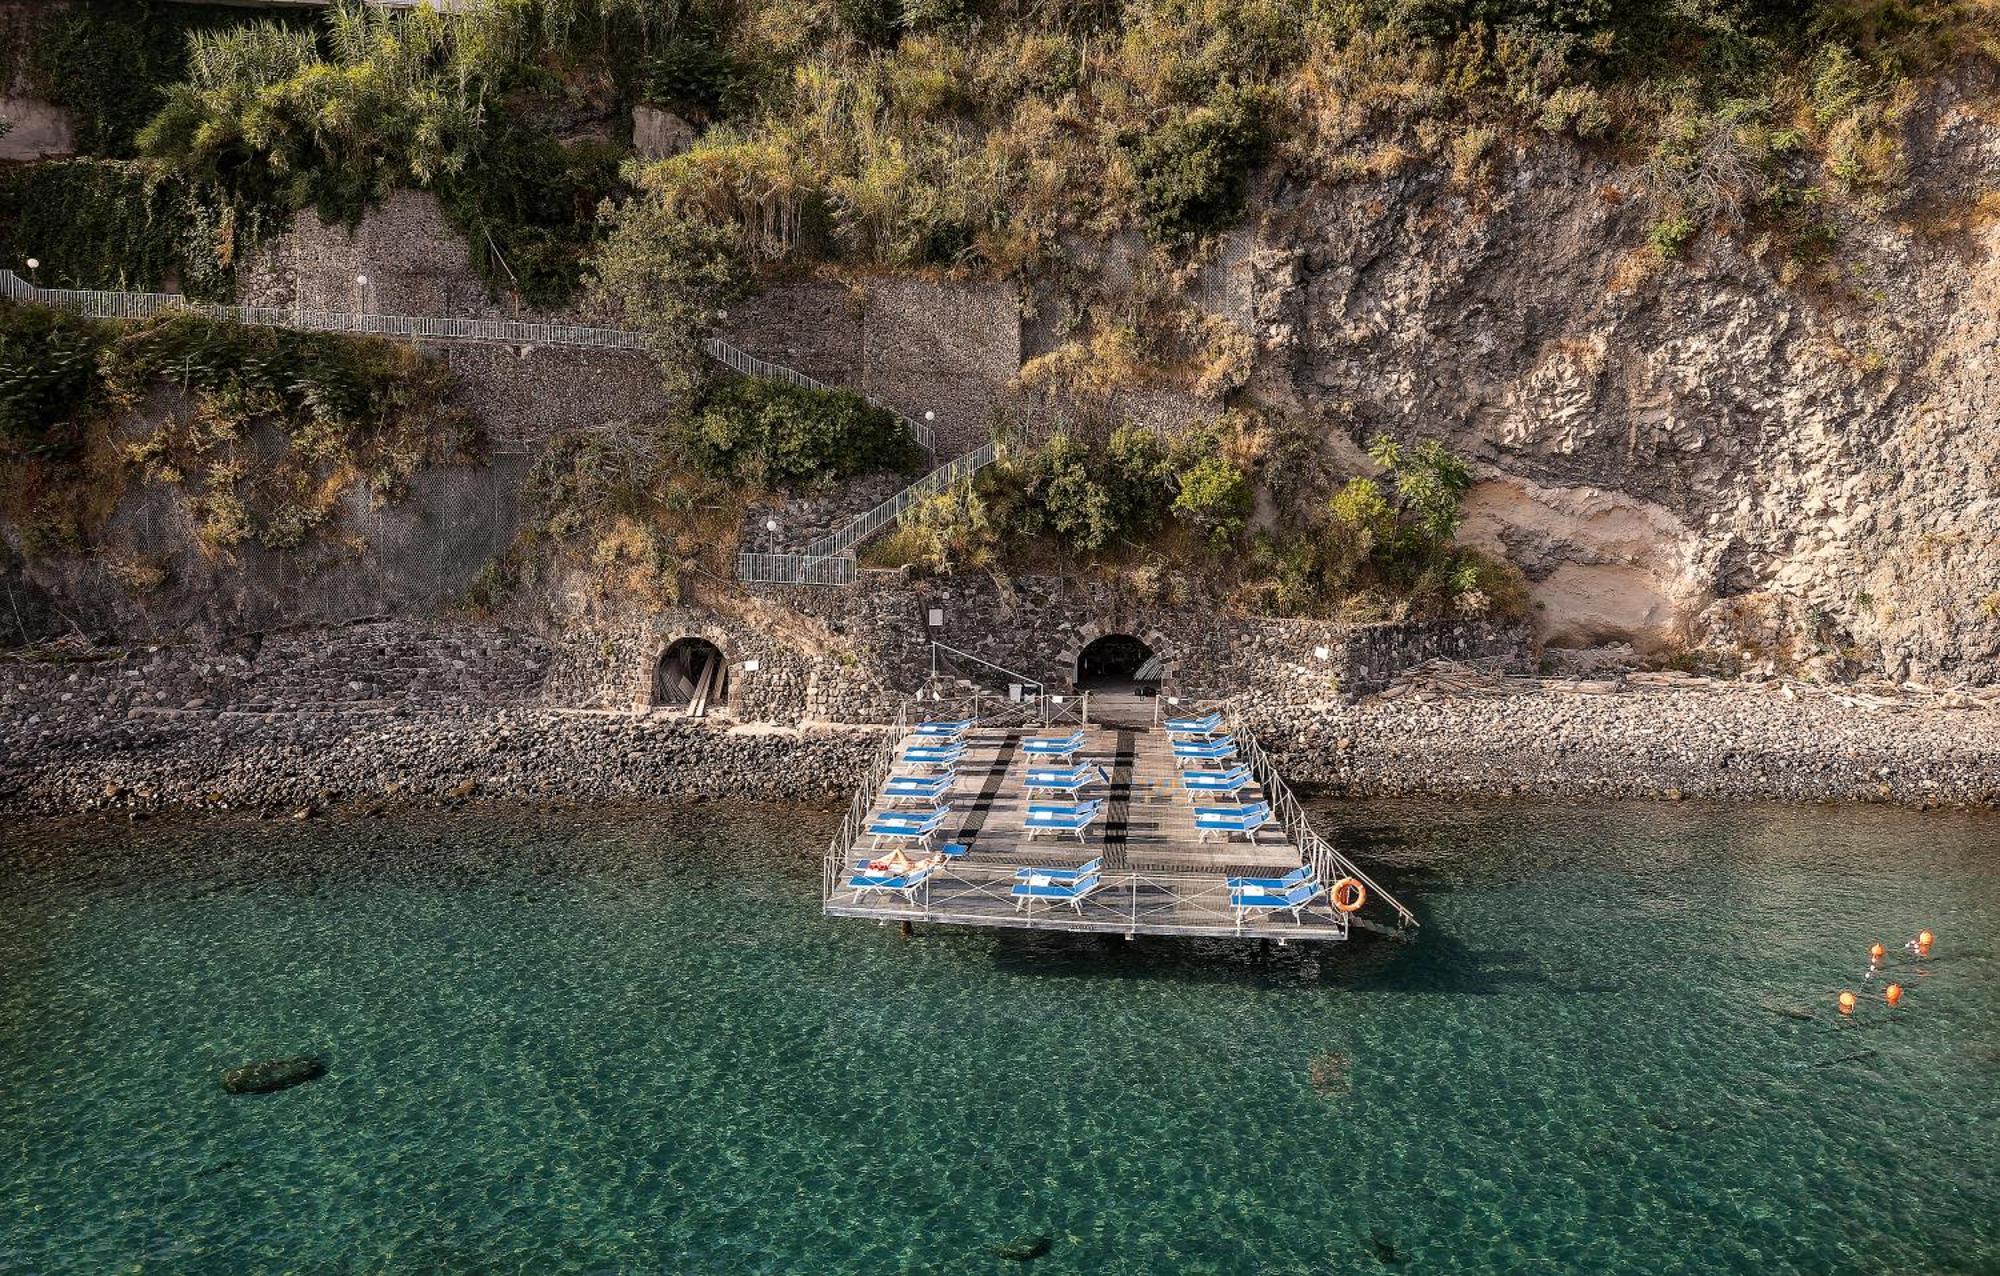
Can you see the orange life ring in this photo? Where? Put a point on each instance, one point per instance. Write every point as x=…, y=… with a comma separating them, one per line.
x=1349, y=895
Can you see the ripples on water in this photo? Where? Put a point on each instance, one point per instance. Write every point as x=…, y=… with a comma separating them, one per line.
x=627, y=1041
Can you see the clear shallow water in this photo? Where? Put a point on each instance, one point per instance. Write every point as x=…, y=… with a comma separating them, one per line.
x=628, y=1042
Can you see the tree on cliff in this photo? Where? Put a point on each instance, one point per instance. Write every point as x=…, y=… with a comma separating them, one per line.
x=671, y=276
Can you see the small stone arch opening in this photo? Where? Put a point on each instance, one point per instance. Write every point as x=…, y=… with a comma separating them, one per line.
x=1118, y=662
x=692, y=675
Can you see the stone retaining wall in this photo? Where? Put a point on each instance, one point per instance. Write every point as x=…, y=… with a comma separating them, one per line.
x=800, y=653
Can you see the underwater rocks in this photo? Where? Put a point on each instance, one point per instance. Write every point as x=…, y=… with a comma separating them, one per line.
x=1024, y=1248
x=268, y=1076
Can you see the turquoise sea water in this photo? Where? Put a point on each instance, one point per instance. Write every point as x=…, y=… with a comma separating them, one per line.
x=627, y=1041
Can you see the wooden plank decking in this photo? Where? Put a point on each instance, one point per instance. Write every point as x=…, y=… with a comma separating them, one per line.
x=1159, y=876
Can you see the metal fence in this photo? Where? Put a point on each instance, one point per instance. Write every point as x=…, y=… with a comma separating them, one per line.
x=141, y=305
x=796, y=569
x=1325, y=859
x=952, y=471
x=835, y=867
x=750, y=365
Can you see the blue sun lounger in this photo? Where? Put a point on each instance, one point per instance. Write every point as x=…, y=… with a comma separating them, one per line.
x=1297, y=877
x=1225, y=783
x=951, y=731
x=1065, y=780
x=939, y=757
x=950, y=851
x=1220, y=749
x=1053, y=746
x=1085, y=869
x=928, y=790
x=1057, y=817
x=1207, y=724
x=1261, y=899
x=1056, y=888
x=904, y=884
x=913, y=826
x=1231, y=819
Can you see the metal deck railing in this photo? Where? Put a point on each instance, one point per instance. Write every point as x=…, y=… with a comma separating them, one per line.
x=1320, y=853
x=834, y=870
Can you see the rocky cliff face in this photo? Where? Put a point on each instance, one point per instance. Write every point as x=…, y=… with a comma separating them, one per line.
x=1700, y=453
x=1689, y=452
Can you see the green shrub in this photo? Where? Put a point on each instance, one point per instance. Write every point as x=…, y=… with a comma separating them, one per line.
x=669, y=275
x=108, y=62
x=1670, y=235
x=91, y=223
x=770, y=434
x=693, y=75
x=1194, y=172
x=49, y=378
x=1214, y=499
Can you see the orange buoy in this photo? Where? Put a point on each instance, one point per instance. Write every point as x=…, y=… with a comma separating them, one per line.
x=1893, y=993
x=1876, y=953
x=1846, y=1003
x=1349, y=895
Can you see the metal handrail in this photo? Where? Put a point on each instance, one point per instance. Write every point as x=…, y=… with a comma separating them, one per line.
x=866, y=525
x=1320, y=853
x=856, y=819
x=742, y=361
x=97, y=304
x=1011, y=675
x=796, y=569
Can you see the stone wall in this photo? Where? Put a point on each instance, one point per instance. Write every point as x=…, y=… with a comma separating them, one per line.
x=522, y=395
x=415, y=554
x=378, y=665
x=42, y=130
x=853, y=655
x=415, y=264
x=951, y=349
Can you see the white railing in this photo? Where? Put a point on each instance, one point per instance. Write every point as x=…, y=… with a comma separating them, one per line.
x=860, y=529
x=830, y=559
x=749, y=365
x=141, y=305
x=834, y=871
x=1030, y=688
x=795, y=569
x=1327, y=861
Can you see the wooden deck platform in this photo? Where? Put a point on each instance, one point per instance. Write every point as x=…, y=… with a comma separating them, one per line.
x=1159, y=876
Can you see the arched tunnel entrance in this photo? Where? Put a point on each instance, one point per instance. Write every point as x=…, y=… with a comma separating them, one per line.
x=693, y=675
x=1118, y=662
x=1121, y=675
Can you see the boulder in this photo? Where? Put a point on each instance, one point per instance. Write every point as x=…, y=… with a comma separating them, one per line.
x=1024, y=1248
x=267, y=1076
x=658, y=134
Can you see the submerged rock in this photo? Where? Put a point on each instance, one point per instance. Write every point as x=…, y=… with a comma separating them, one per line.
x=1024, y=1247
x=267, y=1076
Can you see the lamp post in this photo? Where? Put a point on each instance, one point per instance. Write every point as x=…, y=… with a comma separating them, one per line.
x=360, y=294
x=34, y=264
x=771, y=527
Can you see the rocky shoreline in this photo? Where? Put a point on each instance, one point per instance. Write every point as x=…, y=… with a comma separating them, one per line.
x=1662, y=744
